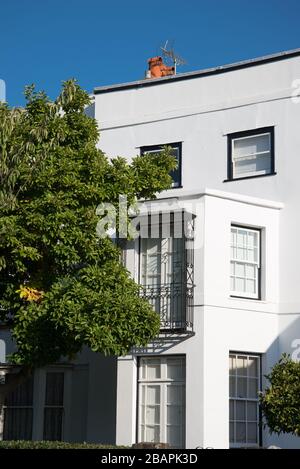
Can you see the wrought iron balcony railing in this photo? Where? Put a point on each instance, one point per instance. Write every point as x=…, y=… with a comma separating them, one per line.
x=174, y=303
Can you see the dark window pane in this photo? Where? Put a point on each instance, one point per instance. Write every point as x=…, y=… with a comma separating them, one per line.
x=231, y=432
x=54, y=389
x=252, y=411
x=175, y=174
x=22, y=395
x=253, y=388
x=17, y=424
x=231, y=410
x=241, y=432
x=232, y=389
x=240, y=410
x=252, y=429
x=242, y=387
x=53, y=420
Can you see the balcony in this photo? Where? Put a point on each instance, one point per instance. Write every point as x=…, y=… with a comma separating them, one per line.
x=174, y=303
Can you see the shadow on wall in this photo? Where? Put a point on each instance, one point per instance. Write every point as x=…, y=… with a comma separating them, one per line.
x=90, y=110
x=162, y=344
x=288, y=342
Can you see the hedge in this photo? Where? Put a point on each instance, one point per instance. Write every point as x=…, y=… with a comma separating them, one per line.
x=21, y=444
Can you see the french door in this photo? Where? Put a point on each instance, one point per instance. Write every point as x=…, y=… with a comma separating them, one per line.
x=162, y=275
x=161, y=412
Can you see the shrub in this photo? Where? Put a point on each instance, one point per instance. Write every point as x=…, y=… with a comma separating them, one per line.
x=21, y=444
x=280, y=402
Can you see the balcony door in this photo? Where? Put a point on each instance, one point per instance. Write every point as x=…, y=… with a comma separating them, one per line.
x=163, y=278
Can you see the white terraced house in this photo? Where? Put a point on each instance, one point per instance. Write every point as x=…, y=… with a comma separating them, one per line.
x=220, y=267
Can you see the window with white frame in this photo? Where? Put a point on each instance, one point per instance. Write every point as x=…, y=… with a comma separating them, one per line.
x=245, y=272
x=18, y=412
x=176, y=152
x=251, y=153
x=161, y=414
x=244, y=386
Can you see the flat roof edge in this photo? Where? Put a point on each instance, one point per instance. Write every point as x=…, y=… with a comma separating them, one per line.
x=232, y=196
x=200, y=73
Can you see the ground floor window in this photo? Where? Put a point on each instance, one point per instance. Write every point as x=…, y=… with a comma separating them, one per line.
x=18, y=413
x=244, y=386
x=54, y=406
x=36, y=409
x=161, y=390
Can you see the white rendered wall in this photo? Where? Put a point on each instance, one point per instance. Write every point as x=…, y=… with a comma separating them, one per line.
x=200, y=112
x=232, y=324
x=221, y=324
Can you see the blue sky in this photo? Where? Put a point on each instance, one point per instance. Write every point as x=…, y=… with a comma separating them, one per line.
x=102, y=42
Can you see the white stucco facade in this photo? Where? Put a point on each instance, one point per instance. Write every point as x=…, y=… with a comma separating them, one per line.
x=200, y=111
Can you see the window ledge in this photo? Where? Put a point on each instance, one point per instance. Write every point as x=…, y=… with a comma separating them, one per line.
x=250, y=177
x=247, y=299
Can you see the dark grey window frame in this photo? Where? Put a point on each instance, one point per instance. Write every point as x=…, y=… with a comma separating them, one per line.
x=249, y=133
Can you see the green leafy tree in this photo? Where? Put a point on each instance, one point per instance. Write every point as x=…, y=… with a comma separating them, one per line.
x=280, y=402
x=63, y=287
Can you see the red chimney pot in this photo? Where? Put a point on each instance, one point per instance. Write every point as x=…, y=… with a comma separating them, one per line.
x=158, y=69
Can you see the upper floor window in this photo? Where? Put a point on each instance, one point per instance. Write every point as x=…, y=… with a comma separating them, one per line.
x=245, y=262
x=251, y=153
x=163, y=278
x=176, y=152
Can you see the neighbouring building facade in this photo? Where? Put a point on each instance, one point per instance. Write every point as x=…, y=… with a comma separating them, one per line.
x=217, y=256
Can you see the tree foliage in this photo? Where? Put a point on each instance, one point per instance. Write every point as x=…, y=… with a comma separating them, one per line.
x=280, y=402
x=61, y=286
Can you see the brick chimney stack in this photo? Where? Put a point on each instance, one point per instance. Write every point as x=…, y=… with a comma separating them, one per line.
x=158, y=69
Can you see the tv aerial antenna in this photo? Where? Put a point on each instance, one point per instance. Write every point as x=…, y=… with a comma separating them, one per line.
x=169, y=54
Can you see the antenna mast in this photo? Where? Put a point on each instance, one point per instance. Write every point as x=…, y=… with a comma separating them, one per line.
x=169, y=54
